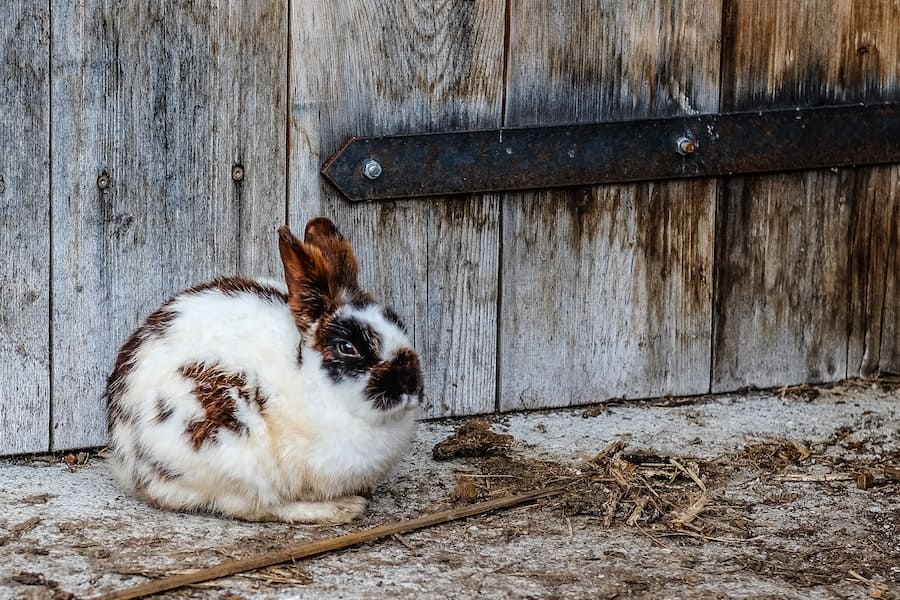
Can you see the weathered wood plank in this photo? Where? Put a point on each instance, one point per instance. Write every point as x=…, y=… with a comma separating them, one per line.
x=873, y=246
x=799, y=281
x=606, y=291
x=164, y=98
x=24, y=239
x=889, y=219
x=401, y=67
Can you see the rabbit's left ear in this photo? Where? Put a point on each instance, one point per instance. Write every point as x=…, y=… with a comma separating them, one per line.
x=309, y=277
x=324, y=235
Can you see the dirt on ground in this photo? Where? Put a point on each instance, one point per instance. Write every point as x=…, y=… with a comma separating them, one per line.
x=784, y=495
x=665, y=496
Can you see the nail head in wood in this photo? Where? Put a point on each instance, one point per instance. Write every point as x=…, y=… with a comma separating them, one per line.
x=237, y=173
x=103, y=181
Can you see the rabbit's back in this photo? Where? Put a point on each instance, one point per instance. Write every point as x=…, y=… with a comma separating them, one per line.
x=187, y=396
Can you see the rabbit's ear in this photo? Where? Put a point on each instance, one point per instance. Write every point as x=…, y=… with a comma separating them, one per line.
x=309, y=278
x=324, y=235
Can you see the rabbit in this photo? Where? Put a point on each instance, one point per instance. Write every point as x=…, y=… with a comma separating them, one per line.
x=263, y=401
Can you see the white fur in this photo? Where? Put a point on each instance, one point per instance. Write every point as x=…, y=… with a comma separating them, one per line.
x=314, y=445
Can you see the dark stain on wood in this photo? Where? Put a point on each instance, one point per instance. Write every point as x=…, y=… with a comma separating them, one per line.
x=801, y=258
x=607, y=280
x=782, y=278
x=779, y=55
x=887, y=224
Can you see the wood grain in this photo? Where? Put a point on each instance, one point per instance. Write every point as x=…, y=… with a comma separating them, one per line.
x=873, y=249
x=165, y=99
x=24, y=238
x=800, y=258
x=402, y=67
x=889, y=357
x=606, y=291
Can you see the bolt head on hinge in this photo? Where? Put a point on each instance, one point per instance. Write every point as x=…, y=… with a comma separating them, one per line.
x=685, y=145
x=371, y=168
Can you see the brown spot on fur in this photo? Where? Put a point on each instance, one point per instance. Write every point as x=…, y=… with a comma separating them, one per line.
x=357, y=298
x=232, y=286
x=258, y=398
x=319, y=342
x=162, y=471
x=147, y=469
x=163, y=410
x=155, y=326
x=216, y=390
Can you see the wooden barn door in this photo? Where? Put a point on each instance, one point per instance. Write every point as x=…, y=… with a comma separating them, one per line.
x=148, y=146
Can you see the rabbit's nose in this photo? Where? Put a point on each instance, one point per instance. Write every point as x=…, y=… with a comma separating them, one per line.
x=408, y=370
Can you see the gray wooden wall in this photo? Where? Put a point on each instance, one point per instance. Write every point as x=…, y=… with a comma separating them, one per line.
x=121, y=123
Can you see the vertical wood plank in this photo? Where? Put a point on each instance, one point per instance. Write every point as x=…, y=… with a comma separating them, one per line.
x=397, y=67
x=889, y=219
x=606, y=291
x=799, y=274
x=164, y=98
x=24, y=239
x=873, y=250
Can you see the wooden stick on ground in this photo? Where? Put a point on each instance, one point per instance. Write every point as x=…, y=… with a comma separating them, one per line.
x=275, y=557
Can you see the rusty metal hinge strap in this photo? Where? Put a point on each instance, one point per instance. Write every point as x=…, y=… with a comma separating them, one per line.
x=709, y=145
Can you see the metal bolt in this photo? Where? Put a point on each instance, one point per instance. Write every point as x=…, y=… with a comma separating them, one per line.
x=103, y=181
x=371, y=168
x=685, y=145
x=237, y=173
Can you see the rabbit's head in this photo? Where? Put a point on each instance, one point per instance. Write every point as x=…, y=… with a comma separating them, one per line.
x=363, y=346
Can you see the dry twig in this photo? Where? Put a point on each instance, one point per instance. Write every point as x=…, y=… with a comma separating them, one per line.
x=806, y=478
x=323, y=546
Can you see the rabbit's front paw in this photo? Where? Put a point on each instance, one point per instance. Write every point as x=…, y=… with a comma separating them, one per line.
x=340, y=510
x=348, y=508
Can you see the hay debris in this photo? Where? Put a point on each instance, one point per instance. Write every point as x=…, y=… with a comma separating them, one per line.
x=473, y=438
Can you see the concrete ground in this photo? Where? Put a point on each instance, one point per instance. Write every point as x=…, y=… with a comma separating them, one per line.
x=759, y=495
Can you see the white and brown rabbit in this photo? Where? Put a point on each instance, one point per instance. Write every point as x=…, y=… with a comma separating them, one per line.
x=265, y=402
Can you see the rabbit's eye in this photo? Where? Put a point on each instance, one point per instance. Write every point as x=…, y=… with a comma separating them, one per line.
x=347, y=349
